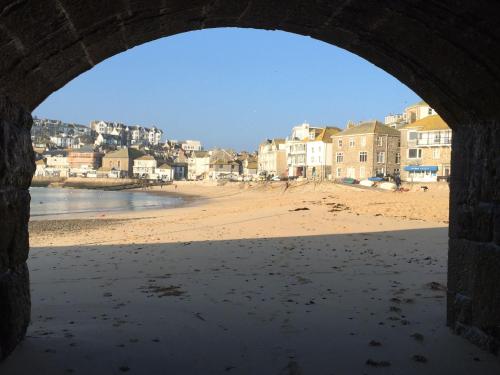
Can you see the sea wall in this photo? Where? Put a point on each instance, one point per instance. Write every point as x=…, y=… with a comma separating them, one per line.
x=86, y=183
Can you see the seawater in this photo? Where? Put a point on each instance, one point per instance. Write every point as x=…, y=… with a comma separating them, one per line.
x=64, y=201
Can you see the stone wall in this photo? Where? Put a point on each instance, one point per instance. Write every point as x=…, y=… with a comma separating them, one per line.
x=16, y=169
x=474, y=247
x=453, y=64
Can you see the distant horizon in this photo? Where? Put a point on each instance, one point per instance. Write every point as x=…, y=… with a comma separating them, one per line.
x=230, y=88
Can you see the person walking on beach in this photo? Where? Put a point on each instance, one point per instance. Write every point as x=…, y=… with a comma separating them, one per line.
x=397, y=180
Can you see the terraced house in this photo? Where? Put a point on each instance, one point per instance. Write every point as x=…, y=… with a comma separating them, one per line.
x=319, y=153
x=366, y=150
x=272, y=158
x=426, y=150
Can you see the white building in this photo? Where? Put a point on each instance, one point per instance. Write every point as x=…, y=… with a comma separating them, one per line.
x=309, y=151
x=62, y=141
x=198, y=165
x=100, y=127
x=319, y=154
x=57, y=163
x=41, y=168
x=108, y=140
x=191, y=145
x=154, y=136
x=165, y=172
x=272, y=158
x=395, y=120
x=296, y=149
x=418, y=111
x=131, y=135
x=145, y=167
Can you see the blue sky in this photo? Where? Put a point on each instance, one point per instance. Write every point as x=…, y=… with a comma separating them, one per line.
x=230, y=87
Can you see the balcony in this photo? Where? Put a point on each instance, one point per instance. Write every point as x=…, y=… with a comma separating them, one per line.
x=434, y=142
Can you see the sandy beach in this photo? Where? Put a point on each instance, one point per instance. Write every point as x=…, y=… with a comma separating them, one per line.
x=248, y=279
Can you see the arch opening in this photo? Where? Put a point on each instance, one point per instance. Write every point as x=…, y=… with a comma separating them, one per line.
x=451, y=65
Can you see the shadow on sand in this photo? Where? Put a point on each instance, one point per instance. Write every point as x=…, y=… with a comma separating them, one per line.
x=339, y=304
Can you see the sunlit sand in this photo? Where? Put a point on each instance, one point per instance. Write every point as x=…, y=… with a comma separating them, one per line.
x=311, y=279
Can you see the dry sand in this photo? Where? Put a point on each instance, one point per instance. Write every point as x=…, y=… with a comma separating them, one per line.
x=317, y=279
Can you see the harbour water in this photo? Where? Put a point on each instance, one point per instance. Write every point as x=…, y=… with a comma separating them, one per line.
x=52, y=202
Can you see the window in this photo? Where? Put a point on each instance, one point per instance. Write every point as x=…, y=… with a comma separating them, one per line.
x=339, y=142
x=312, y=159
x=436, y=153
x=398, y=158
x=363, y=141
x=412, y=136
x=351, y=142
x=340, y=157
x=312, y=150
x=362, y=172
x=379, y=172
x=429, y=111
x=380, y=141
x=381, y=157
x=339, y=172
x=363, y=156
x=414, y=153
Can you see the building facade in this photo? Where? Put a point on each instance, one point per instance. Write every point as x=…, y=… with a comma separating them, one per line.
x=418, y=111
x=129, y=135
x=191, y=145
x=296, y=149
x=224, y=170
x=319, y=154
x=426, y=150
x=198, y=164
x=121, y=161
x=272, y=158
x=366, y=150
x=84, y=160
x=144, y=167
x=165, y=172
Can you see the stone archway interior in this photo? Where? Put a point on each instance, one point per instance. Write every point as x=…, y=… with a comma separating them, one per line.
x=446, y=51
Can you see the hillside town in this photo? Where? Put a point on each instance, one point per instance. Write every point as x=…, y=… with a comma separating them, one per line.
x=413, y=146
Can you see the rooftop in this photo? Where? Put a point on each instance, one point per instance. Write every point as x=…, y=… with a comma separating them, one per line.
x=434, y=122
x=369, y=127
x=145, y=157
x=326, y=134
x=124, y=153
x=165, y=166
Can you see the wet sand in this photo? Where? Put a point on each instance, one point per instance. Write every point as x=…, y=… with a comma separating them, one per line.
x=317, y=279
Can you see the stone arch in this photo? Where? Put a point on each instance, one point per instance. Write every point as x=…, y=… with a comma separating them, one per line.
x=446, y=51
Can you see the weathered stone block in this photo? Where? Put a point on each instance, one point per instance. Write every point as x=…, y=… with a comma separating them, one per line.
x=15, y=307
x=17, y=161
x=474, y=251
x=473, y=297
x=14, y=242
